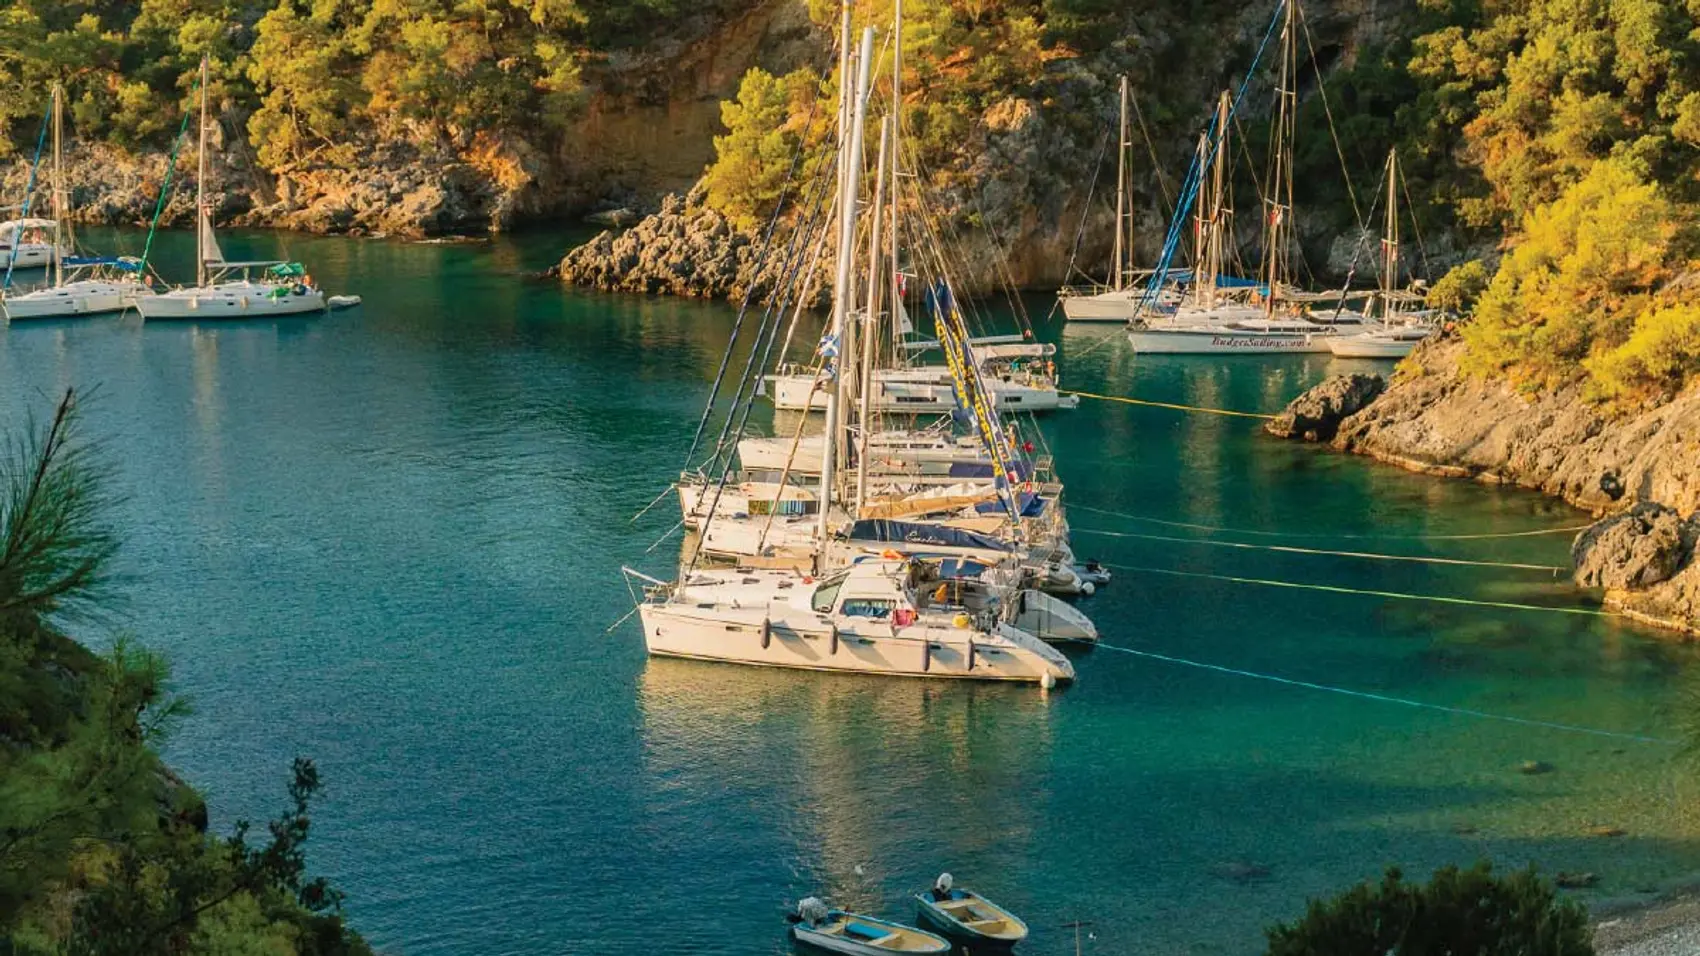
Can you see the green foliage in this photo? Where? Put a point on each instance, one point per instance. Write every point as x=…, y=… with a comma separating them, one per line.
x=1660, y=357
x=1459, y=911
x=765, y=125
x=1458, y=290
x=102, y=851
x=1578, y=274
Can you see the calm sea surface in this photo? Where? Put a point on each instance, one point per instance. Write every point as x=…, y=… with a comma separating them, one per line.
x=390, y=539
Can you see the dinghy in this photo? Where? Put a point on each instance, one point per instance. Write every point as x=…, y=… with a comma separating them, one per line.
x=968, y=917
x=836, y=931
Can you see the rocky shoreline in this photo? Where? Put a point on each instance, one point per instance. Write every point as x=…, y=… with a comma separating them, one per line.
x=1638, y=472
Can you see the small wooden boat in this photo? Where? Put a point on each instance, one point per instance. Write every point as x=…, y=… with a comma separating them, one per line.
x=968, y=917
x=854, y=934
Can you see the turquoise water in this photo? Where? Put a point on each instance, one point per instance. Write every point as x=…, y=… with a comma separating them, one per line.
x=390, y=538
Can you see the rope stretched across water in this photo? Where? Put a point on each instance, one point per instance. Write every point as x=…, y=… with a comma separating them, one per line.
x=1289, y=549
x=1341, y=536
x=1366, y=592
x=1387, y=699
x=1172, y=405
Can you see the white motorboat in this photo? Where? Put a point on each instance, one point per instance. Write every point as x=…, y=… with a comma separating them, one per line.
x=855, y=934
x=106, y=284
x=231, y=290
x=868, y=618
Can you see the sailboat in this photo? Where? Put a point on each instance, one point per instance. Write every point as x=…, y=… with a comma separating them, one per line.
x=109, y=284
x=231, y=290
x=878, y=612
x=1119, y=300
x=1400, y=330
x=1240, y=317
x=27, y=243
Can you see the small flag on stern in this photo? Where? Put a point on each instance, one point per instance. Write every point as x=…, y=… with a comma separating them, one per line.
x=828, y=347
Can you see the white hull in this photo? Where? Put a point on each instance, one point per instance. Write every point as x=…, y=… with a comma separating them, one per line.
x=1103, y=307
x=929, y=394
x=912, y=455
x=1373, y=345
x=235, y=300
x=1225, y=341
x=30, y=255
x=873, y=648
x=85, y=297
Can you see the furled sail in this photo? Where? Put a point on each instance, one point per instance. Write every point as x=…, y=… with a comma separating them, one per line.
x=210, y=252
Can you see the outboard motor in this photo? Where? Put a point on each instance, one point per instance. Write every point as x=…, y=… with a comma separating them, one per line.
x=811, y=910
x=941, y=887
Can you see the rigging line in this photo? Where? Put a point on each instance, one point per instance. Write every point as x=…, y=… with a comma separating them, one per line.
x=1151, y=150
x=1481, y=536
x=1416, y=227
x=749, y=293
x=1365, y=592
x=1359, y=247
x=1328, y=111
x=29, y=196
x=1183, y=408
x=1290, y=549
x=1086, y=208
x=1387, y=699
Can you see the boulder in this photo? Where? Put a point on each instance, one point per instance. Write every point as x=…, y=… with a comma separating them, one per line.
x=1316, y=415
x=1635, y=550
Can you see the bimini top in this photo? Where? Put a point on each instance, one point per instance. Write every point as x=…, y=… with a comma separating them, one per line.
x=15, y=224
x=125, y=263
x=909, y=532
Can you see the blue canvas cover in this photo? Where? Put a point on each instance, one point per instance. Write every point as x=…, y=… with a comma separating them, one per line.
x=886, y=531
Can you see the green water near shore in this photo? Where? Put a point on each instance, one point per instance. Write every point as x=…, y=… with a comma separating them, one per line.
x=390, y=538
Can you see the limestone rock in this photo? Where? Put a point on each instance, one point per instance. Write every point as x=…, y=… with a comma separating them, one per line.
x=1316, y=415
x=1645, y=559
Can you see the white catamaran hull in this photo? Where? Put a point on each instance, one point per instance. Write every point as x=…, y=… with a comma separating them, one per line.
x=893, y=396
x=1225, y=341
x=85, y=297
x=674, y=631
x=236, y=300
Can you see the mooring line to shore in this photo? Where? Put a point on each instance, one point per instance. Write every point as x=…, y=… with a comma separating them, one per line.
x=1337, y=589
x=1342, y=536
x=1387, y=699
x=1171, y=405
x=1291, y=549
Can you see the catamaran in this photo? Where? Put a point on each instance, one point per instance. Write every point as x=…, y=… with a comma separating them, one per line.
x=81, y=285
x=815, y=586
x=231, y=290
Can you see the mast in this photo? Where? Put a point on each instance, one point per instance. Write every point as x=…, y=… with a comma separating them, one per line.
x=896, y=277
x=1390, y=238
x=1123, y=252
x=870, y=317
x=203, y=221
x=59, y=243
x=1217, y=225
x=1278, y=207
x=841, y=294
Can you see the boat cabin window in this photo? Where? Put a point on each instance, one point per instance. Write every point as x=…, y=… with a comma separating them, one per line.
x=826, y=595
x=877, y=608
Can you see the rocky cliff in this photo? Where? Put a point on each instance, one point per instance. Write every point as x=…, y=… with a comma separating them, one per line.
x=645, y=128
x=1640, y=469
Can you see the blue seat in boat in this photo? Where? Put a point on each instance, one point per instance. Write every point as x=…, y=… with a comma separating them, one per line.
x=872, y=934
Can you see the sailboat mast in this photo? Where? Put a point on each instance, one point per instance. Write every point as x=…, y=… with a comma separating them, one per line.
x=896, y=165
x=1278, y=216
x=1118, y=276
x=1390, y=237
x=58, y=187
x=870, y=318
x=841, y=290
x=1218, y=202
x=202, y=218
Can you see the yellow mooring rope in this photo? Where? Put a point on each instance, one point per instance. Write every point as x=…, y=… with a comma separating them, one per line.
x=1289, y=549
x=1336, y=589
x=1209, y=529
x=1171, y=405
